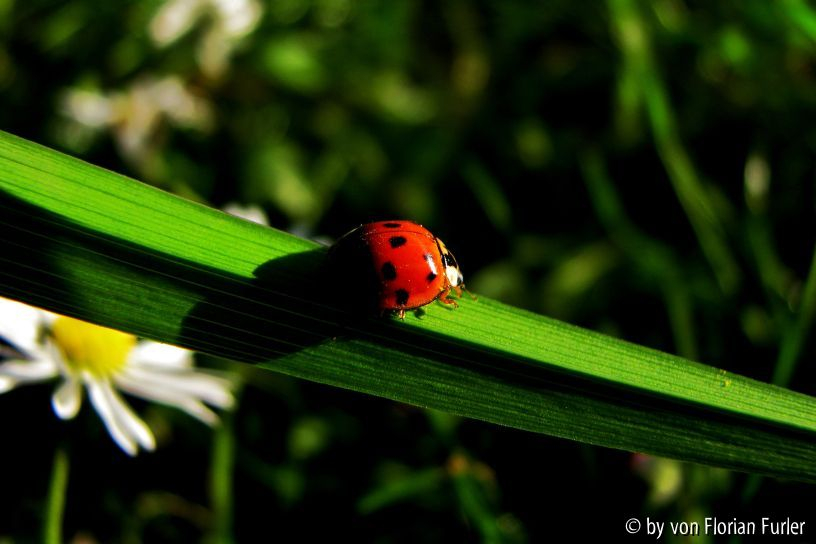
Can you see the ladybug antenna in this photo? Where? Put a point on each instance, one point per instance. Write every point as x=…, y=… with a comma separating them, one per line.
x=463, y=288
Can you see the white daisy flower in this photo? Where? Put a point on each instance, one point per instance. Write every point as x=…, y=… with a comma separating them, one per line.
x=44, y=346
x=137, y=113
x=225, y=24
x=250, y=212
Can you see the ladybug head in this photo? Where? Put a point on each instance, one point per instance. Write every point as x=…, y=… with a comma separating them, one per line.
x=451, y=266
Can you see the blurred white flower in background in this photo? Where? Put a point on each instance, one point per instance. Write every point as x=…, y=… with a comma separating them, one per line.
x=250, y=212
x=42, y=346
x=228, y=22
x=136, y=114
x=664, y=477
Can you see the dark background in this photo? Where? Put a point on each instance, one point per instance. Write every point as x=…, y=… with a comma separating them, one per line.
x=644, y=169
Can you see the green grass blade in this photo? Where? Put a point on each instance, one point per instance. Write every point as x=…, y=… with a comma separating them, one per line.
x=704, y=215
x=85, y=242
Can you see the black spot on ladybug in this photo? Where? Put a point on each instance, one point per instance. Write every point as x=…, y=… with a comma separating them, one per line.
x=397, y=241
x=402, y=297
x=431, y=276
x=388, y=271
x=392, y=225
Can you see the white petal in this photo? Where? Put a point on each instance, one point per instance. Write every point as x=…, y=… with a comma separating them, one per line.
x=14, y=373
x=7, y=384
x=168, y=396
x=125, y=427
x=173, y=19
x=136, y=427
x=67, y=399
x=211, y=389
x=51, y=352
x=47, y=318
x=106, y=411
x=20, y=323
x=29, y=371
x=199, y=411
x=160, y=355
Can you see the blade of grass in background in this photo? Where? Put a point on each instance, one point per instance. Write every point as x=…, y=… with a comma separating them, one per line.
x=85, y=242
x=796, y=337
x=654, y=261
x=640, y=80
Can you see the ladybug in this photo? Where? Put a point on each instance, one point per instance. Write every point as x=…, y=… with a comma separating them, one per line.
x=394, y=266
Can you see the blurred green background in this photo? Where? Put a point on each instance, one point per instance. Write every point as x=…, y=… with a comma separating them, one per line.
x=645, y=169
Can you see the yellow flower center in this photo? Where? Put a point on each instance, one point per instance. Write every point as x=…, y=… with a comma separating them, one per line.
x=91, y=348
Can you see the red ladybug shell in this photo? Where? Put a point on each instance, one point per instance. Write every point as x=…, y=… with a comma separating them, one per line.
x=397, y=265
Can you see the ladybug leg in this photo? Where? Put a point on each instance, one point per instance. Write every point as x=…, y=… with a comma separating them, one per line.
x=401, y=314
x=450, y=302
x=444, y=298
